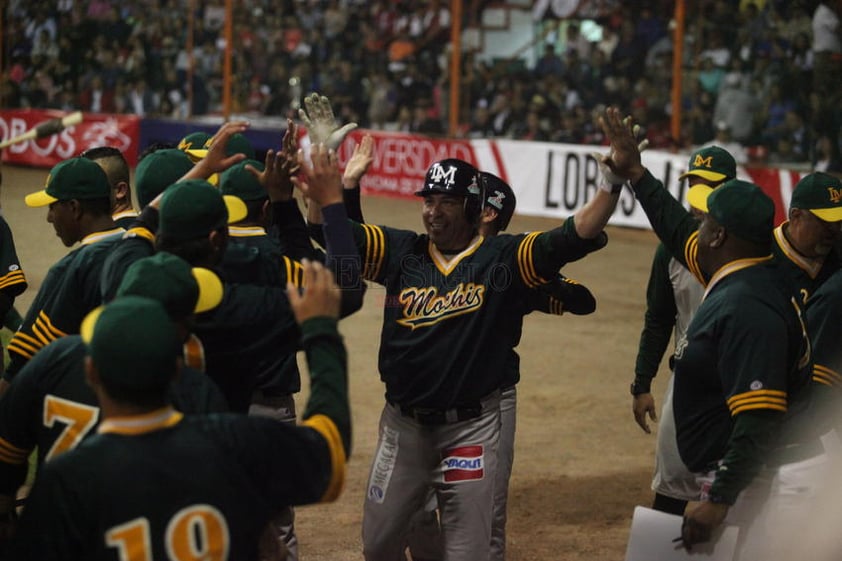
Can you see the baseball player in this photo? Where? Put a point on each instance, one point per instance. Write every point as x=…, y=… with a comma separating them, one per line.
x=443, y=355
x=738, y=404
x=78, y=196
x=672, y=296
x=12, y=279
x=50, y=407
x=804, y=243
x=221, y=506
x=116, y=168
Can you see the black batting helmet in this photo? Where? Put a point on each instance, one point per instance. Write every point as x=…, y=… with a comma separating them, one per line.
x=499, y=195
x=455, y=177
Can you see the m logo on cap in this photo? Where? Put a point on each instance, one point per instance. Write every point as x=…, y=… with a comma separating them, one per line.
x=440, y=176
x=835, y=194
x=700, y=161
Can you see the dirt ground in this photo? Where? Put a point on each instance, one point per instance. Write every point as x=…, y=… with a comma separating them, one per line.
x=581, y=462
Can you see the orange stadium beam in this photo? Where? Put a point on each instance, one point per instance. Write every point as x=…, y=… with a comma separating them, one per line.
x=226, y=66
x=455, y=65
x=677, y=57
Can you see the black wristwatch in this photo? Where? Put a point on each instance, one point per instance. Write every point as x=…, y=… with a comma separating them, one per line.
x=641, y=386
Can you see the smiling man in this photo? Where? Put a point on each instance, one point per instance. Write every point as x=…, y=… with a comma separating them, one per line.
x=77, y=195
x=453, y=307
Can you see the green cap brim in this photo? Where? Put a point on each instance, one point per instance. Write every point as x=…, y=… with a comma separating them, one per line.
x=210, y=289
x=86, y=330
x=39, y=199
x=704, y=174
x=236, y=208
x=698, y=195
x=828, y=214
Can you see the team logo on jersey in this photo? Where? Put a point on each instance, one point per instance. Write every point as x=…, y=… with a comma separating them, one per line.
x=465, y=463
x=13, y=267
x=423, y=307
x=835, y=195
x=756, y=385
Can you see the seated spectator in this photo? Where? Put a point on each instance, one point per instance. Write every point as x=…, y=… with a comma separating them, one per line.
x=826, y=156
x=549, y=63
x=724, y=140
x=95, y=98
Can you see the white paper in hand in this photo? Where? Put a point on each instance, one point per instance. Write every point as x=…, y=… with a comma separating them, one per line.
x=652, y=533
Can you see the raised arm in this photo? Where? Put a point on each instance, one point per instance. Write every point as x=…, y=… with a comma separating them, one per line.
x=324, y=187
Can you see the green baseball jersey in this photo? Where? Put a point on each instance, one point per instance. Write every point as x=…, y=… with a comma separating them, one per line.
x=807, y=274
x=166, y=486
x=672, y=296
x=50, y=406
x=70, y=290
x=254, y=257
x=450, y=322
x=560, y=295
x=12, y=279
x=124, y=219
x=823, y=312
x=746, y=351
x=677, y=230
x=250, y=343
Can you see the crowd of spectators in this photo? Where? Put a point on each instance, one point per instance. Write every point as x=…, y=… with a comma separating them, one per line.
x=748, y=68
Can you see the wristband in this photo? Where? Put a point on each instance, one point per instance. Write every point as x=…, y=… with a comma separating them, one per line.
x=640, y=386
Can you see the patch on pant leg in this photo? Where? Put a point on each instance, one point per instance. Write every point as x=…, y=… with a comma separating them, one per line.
x=383, y=465
x=464, y=463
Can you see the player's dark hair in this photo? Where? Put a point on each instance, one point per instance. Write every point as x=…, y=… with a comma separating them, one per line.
x=197, y=251
x=148, y=398
x=112, y=161
x=154, y=147
x=96, y=207
x=255, y=210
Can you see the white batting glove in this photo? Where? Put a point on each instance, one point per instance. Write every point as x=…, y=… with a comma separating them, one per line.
x=609, y=181
x=317, y=116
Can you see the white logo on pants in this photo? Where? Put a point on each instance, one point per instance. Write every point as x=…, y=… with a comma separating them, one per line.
x=384, y=465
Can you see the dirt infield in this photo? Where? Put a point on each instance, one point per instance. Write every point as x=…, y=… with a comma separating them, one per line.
x=581, y=463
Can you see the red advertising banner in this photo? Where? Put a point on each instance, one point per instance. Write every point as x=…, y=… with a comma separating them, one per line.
x=401, y=160
x=119, y=131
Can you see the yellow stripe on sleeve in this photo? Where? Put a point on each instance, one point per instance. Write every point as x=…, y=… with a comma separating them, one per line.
x=13, y=278
x=139, y=232
x=691, y=253
x=758, y=399
x=825, y=375
x=37, y=330
x=55, y=331
x=327, y=428
x=525, y=262
x=11, y=454
x=375, y=251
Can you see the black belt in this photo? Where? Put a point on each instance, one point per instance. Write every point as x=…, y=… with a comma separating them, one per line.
x=431, y=417
x=795, y=453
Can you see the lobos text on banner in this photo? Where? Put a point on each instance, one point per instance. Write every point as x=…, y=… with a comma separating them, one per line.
x=119, y=131
x=550, y=180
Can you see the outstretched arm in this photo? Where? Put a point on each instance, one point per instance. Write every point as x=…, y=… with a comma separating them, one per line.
x=324, y=187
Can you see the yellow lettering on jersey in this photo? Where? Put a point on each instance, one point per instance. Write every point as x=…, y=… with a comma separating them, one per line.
x=198, y=533
x=699, y=161
x=423, y=307
x=78, y=420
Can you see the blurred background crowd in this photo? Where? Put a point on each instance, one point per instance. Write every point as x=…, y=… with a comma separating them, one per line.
x=761, y=77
